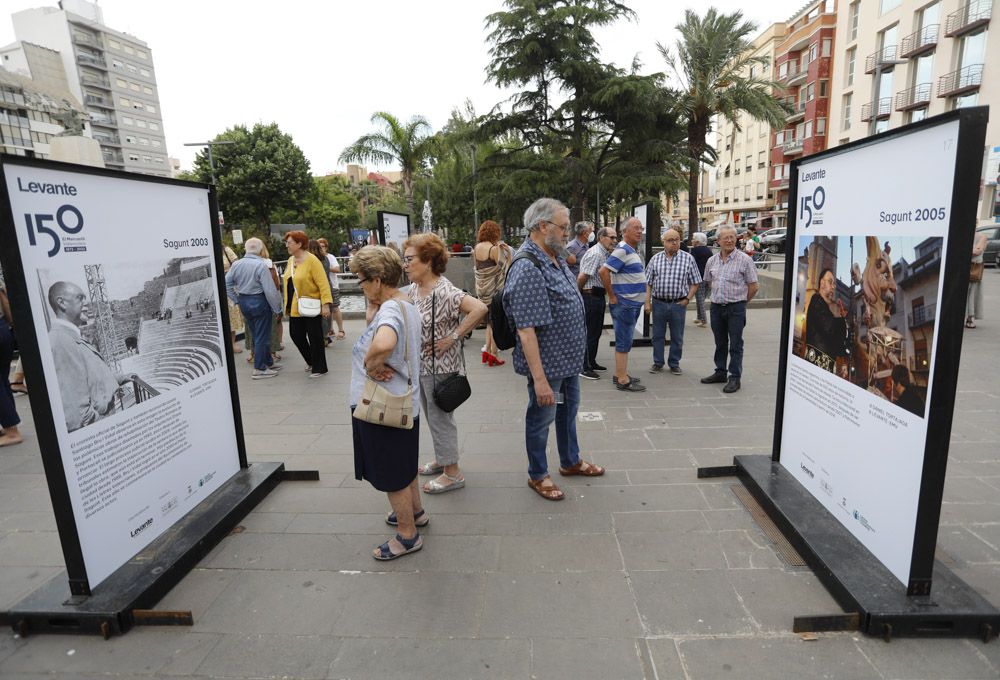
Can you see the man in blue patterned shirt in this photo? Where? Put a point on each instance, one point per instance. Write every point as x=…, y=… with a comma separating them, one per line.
x=542, y=301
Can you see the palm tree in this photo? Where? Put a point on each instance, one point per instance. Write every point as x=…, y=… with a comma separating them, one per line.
x=408, y=145
x=713, y=62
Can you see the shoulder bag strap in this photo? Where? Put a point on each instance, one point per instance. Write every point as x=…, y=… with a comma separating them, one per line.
x=406, y=347
x=433, y=329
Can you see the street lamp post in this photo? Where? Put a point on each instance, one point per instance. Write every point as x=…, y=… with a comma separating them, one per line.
x=475, y=201
x=209, y=145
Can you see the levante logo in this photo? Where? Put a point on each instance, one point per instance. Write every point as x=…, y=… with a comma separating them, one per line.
x=811, y=205
x=62, y=227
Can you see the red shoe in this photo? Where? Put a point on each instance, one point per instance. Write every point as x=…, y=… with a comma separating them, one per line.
x=486, y=357
x=495, y=361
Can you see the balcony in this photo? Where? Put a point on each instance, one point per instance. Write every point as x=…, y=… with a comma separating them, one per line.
x=919, y=42
x=921, y=315
x=106, y=139
x=962, y=81
x=91, y=60
x=792, y=147
x=798, y=112
x=782, y=183
x=113, y=157
x=968, y=18
x=799, y=76
x=914, y=98
x=887, y=56
x=94, y=100
x=880, y=111
x=793, y=70
x=105, y=121
x=94, y=81
x=88, y=40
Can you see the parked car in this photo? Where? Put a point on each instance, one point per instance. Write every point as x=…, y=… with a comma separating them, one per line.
x=773, y=240
x=992, y=254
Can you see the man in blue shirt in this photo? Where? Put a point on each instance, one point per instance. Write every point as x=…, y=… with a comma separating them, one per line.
x=624, y=278
x=543, y=302
x=249, y=284
x=578, y=246
x=672, y=279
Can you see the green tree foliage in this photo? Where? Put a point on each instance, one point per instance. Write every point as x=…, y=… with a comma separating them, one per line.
x=588, y=121
x=333, y=209
x=712, y=59
x=261, y=173
x=407, y=145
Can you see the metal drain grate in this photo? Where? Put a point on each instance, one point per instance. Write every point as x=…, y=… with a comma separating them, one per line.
x=786, y=552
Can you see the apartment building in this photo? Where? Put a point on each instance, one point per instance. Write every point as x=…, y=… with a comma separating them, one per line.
x=803, y=65
x=31, y=114
x=110, y=72
x=899, y=61
x=744, y=149
x=675, y=210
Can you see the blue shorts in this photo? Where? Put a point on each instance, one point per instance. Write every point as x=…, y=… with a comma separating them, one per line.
x=624, y=317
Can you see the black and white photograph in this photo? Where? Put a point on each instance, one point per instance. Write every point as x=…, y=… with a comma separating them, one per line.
x=124, y=333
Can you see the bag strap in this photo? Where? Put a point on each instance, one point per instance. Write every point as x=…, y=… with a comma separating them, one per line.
x=406, y=347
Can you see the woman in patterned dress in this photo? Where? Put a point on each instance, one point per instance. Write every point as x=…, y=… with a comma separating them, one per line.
x=441, y=306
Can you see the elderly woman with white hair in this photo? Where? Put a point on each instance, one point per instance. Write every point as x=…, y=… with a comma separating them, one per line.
x=701, y=252
x=250, y=285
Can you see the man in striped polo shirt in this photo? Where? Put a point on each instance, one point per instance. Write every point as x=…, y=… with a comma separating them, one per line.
x=624, y=278
x=733, y=277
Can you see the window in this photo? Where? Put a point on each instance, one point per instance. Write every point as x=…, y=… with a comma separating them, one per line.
x=881, y=126
x=154, y=126
x=117, y=65
x=917, y=114
x=967, y=100
x=114, y=43
x=125, y=101
x=810, y=92
x=923, y=70
x=145, y=72
x=146, y=89
x=139, y=122
x=142, y=54
x=812, y=52
x=760, y=160
x=135, y=86
x=808, y=131
x=157, y=144
x=725, y=196
x=150, y=108
x=820, y=127
x=779, y=138
x=143, y=141
x=133, y=157
x=783, y=70
x=889, y=5
x=847, y=112
x=129, y=49
x=973, y=49
x=130, y=139
x=137, y=106
x=930, y=15
x=827, y=46
x=122, y=83
x=746, y=192
x=855, y=11
x=147, y=159
x=128, y=120
x=852, y=55
x=131, y=69
x=822, y=88
x=749, y=166
x=760, y=191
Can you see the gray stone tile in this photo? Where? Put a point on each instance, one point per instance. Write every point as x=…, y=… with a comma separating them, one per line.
x=639, y=498
x=566, y=605
x=666, y=659
x=646, y=460
x=446, y=659
x=774, y=597
x=267, y=522
x=745, y=549
x=673, y=524
x=832, y=656
x=17, y=583
x=690, y=603
x=719, y=495
x=927, y=658
x=964, y=545
x=575, y=659
x=555, y=553
x=685, y=475
x=658, y=551
x=197, y=591
x=420, y=605
x=271, y=656
x=31, y=548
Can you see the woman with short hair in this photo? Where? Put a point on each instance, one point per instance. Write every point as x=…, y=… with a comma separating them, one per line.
x=388, y=351
x=701, y=254
x=492, y=259
x=441, y=306
x=305, y=277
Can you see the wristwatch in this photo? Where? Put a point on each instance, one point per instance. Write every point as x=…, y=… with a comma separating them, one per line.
x=454, y=336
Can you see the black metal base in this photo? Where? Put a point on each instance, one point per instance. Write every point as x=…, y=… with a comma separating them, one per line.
x=124, y=598
x=854, y=577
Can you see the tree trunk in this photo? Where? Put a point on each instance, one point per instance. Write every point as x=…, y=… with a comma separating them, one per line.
x=696, y=145
x=408, y=190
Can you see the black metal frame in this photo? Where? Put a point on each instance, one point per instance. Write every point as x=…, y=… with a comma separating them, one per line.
x=380, y=226
x=955, y=273
x=10, y=256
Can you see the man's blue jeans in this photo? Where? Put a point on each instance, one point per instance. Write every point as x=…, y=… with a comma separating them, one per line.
x=537, y=421
x=728, y=322
x=672, y=314
x=257, y=314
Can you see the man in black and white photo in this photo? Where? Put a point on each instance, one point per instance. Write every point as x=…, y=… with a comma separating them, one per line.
x=87, y=385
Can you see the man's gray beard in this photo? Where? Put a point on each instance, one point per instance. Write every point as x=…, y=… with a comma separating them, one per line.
x=555, y=242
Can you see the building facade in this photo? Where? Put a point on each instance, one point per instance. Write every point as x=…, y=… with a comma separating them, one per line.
x=742, y=173
x=803, y=65
x=31, y=114
x=111, y=73
x=900, y=61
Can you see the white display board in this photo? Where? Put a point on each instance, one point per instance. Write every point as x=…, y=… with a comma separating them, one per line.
x=121, y=279
x=396, y=228
x=869, y=251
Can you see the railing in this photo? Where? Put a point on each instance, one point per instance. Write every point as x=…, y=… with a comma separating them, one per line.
x=968, y=18
x=882, y=110
x=914, y=98
x=797, y=111
x=919, y=42
x=921, y=315
x=100, y=101
x=115, y=158
x=793, y=70
x=961, y=81
x=107, y=139
x=107, y=121
x=142, y=389
x=794, y=146
x=95, y=81
x=886, y=55
x=88, y=59
x=797, y=77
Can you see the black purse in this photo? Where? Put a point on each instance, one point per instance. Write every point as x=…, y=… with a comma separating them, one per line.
x=453, y=389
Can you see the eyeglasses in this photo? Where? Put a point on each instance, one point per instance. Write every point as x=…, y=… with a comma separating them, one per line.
x=564, y=227
x=361, y=280
x=407, y=259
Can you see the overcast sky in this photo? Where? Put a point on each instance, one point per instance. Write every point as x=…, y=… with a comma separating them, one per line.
x=321, y=69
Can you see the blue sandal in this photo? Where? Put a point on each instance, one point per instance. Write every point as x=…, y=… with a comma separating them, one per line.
x=419, y=518
x=384, y=553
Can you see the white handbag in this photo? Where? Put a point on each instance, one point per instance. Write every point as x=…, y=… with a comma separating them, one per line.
x=309, y=306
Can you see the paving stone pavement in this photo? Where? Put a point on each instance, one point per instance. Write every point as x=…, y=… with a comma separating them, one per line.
x=644, y=573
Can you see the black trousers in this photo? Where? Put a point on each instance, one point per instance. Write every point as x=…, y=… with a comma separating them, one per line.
x=593, y=310
x=307, y=334
x=8, y=414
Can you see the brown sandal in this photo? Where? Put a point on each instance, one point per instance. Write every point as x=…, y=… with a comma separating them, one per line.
x=549, y=493
x=582, y=468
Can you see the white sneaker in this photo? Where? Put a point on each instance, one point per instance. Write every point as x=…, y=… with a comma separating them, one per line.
x=266, y=373
x=275, y=366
